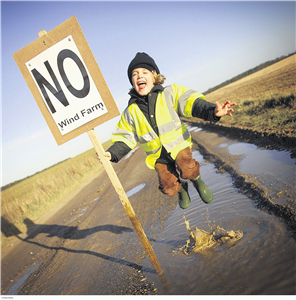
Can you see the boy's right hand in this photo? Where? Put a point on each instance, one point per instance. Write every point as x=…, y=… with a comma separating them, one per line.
x=106, y=154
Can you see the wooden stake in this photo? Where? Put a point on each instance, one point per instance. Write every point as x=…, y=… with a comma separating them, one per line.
x=126, y=204
x=124, y=200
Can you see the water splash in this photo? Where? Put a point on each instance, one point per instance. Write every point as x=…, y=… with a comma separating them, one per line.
x=200, y=239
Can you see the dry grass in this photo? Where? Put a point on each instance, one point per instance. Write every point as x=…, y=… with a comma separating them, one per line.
x=33, y=197
x=277, y=113
x=264, y=99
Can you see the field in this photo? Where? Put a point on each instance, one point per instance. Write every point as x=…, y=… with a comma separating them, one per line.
x=265, y=101
x=33, y=197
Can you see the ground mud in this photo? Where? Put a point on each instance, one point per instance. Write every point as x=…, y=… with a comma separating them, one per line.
x=249, y=184
x=90, y=248
x=269, y=138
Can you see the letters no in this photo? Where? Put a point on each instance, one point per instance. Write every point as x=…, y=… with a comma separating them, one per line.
x=57, y=91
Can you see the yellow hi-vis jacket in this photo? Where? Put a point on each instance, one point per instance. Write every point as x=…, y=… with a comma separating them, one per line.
x=172, y=102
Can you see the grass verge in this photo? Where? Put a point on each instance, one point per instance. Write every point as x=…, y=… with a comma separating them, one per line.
x=33, y=197
x=278, y=112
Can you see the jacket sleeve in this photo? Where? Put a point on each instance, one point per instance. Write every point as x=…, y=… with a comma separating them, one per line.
x=190, y=103
x=124, y=137
x=125, y=130
x=204, y=110
x=118, y=150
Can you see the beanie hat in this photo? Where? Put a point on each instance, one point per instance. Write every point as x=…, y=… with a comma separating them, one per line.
x=141, y=60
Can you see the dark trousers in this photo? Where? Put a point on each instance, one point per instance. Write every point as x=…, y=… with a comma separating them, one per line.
x=169, y=175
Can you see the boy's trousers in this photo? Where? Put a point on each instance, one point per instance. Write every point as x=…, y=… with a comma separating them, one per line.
x=169, y=175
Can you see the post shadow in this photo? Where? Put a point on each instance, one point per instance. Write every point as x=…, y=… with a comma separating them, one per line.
x=73, y=233
x=9, y=229
x=69, y=232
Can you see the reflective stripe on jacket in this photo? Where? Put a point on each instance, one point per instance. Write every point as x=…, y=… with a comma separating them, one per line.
x=171, y=103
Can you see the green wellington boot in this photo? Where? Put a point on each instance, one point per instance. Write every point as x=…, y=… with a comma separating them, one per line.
x=204, y=192
x=184, y=199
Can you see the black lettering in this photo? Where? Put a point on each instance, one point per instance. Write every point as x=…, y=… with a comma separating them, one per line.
x=42, y=83
x=100, y=105
x=70, y=54
x=69, y=121
x=63, y=123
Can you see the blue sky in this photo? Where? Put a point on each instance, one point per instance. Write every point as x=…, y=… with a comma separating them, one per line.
x=195, y=44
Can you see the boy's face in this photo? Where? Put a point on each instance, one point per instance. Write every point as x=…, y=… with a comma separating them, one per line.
x=143, y=81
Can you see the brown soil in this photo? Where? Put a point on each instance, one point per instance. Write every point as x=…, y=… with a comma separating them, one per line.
x=247, y=183
x=270, y=138
x=279, y=78
x=99, y=253
x=102, y=243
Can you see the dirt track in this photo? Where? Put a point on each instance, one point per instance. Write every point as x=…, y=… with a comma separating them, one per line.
x=104, y=231
x=90, y=247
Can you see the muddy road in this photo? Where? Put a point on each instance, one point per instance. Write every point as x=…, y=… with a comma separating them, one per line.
x=89, y=247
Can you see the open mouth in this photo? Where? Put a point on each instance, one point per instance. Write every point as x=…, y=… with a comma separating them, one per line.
x=141, y=84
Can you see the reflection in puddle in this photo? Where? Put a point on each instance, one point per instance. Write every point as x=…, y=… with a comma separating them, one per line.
x=95, y=199
x=197, y=156
x=135, y=190
x=193, y=128
x=14, y=289
x=83, y=211
x=241, y=148
x=75, y=218
x=131, y=153
x=260, y=161
x=197, y=129
x=247, y=267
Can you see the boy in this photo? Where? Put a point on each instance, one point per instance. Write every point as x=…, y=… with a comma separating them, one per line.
x=152, y=119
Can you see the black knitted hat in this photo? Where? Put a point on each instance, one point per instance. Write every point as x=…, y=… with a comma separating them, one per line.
x=141, y=60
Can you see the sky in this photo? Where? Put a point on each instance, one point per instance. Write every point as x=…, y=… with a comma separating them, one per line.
x=195, y=44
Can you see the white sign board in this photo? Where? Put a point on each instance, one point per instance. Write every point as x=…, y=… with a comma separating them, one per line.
x=66, y=86
x=66, y=81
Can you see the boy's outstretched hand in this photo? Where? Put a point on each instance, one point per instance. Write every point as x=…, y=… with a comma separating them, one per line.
x=224, y=109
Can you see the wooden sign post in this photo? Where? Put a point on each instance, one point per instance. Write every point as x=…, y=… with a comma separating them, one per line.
x=126, y=204
x=73, y=97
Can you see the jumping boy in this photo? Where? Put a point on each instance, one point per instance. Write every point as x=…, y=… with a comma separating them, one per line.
x=152, y=119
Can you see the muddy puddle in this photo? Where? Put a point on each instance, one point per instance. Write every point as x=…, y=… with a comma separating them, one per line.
x=260, y=260
x=135, y=190
x=273, y=169
x=14, y=288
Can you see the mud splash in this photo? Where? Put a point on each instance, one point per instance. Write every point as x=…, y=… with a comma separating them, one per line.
x=200, y=239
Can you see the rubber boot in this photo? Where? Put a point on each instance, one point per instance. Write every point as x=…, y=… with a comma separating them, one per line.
x=184, y=199
x=204, y=192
